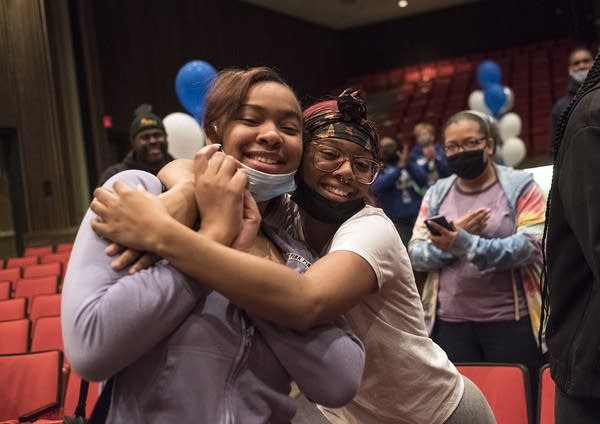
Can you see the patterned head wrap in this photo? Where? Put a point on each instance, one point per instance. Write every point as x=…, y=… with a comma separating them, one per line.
x=344, y=118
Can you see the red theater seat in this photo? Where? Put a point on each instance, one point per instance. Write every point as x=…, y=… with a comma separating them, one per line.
x=38, y=250
x=29, y=382
x=546, y=396
x=14, y=336
x=44, y=305
x=12, y=309
x=43, y=270
x=506, y=388
x=21, y=261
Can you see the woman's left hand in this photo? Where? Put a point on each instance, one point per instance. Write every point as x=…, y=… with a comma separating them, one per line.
x=445, y=239
x=126, y=257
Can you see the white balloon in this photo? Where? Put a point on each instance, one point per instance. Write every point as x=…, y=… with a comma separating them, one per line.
x=184, y=134
x=510, y=125
x=509, y=102
x=513, y=151
x=476, y=102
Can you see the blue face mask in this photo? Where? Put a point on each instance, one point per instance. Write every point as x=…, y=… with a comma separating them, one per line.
x=265, y=186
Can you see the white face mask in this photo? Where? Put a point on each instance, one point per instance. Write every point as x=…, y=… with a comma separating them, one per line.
x=580, y=76
x=265, y=186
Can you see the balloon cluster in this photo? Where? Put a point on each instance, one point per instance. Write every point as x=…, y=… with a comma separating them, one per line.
x=497, y=100
x=192, y=83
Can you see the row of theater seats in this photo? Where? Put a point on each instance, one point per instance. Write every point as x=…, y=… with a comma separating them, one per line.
x=36, y=380
x=433, y=91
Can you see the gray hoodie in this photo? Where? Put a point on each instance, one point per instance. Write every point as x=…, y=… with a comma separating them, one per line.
x=182, y=353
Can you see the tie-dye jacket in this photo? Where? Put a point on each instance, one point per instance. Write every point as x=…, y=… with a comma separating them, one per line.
x=521, y=252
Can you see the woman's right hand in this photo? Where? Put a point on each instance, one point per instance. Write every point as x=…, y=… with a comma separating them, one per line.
x=473, y=222
x=220, y=187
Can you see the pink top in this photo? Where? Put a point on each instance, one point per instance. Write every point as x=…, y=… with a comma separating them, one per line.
x=466, y=293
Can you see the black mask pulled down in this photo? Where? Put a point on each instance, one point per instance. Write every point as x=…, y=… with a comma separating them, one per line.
x=324, y=209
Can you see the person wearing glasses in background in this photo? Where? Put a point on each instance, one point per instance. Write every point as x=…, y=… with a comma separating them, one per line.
x=364, y=271
x=481, y=298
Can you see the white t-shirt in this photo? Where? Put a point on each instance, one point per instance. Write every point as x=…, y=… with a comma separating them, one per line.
x=407, y=378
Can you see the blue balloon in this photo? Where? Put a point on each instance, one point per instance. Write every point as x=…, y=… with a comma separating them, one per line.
x=494, y=97
x=488, y=72
x=192, y=83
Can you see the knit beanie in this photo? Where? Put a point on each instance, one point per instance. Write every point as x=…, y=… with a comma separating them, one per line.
x=144, y=119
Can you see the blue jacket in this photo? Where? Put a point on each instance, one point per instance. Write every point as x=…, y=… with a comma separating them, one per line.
x=436, y=169
x=399, y=190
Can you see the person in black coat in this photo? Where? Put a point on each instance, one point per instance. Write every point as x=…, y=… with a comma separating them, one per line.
x=571, y=290
x=580, y=62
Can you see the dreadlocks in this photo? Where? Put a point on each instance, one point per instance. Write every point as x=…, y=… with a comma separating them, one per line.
x=591, y=81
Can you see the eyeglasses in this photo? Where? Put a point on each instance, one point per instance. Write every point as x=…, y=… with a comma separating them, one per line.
x=453, y=148
x=328, y=159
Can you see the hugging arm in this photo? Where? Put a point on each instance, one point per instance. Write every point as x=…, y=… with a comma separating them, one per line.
x=326, y=362
x=106, y=314
x=266, y=290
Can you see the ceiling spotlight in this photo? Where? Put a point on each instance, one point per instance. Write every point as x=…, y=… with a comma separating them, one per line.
x=402, y=3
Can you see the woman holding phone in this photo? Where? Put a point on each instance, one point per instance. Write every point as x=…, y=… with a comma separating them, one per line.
x=481, y=296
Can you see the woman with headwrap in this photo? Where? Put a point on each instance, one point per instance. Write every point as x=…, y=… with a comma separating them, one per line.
x=364, y=271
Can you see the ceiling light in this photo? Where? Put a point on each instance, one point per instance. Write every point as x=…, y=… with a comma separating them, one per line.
x=402, y=3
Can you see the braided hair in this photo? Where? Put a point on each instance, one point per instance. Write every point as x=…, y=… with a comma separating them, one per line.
x=592, y=80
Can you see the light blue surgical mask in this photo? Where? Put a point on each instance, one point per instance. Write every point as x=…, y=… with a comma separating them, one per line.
x=580, y=76
x=265, y=186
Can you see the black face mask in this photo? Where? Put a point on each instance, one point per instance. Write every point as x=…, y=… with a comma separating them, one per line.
x=324, y=209
x=388, y=156
x=467, y=165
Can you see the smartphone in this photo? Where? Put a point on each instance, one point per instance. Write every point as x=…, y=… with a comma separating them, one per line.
x=440, y=220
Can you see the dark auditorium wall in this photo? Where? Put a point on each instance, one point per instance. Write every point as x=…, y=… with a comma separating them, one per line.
x=65, y=63
x=142, y=44
x=39, y=117
x=472, y=28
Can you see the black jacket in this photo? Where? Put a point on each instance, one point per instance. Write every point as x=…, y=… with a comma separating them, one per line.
x=559, y=107
x=573, y=253
x=131, y=161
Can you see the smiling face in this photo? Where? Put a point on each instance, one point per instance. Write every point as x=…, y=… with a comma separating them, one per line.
x=151, y=145
x=339, y=185
x=265, y=133
x=465, y=135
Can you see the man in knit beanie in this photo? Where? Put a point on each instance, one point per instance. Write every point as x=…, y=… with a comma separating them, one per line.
x=149, y=145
